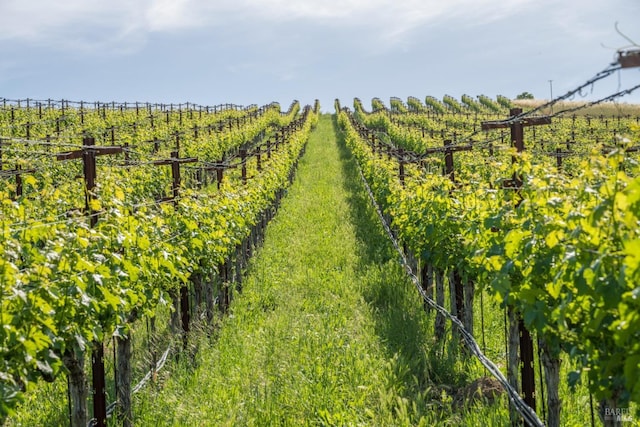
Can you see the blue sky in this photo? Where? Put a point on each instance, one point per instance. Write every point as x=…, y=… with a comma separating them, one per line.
x=258, y=51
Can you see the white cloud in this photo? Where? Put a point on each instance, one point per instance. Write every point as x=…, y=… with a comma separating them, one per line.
x=124, y=24
x=70, y=24
x=172, y=15
x=380, y=12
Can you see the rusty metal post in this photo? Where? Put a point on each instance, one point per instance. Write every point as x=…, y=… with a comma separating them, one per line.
x=184, y=289
x=175, y=161
x=517, y=140
x=97, y=354
x=457, y=279
x=527, y=371
x=516, y=125
x=89, y=166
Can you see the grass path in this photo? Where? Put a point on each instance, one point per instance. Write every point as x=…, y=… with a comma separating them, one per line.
x=327, y=330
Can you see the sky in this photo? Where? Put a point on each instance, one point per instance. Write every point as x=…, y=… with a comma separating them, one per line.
x=260, y=51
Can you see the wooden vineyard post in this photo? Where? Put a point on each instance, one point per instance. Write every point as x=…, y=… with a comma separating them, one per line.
x=17, y=172
x=455, y=283
x=448, y=160
x=516, y=125
x=88, y=155
x=426, y=281
x=439, y=326
x=175, y=161
x=372, y=142
x=258, y=159
x=18, y=181
x=401, y=163
x=276, y=140
x=220, y=172
x=559, y=158
x=457, y=287
x=243, y=163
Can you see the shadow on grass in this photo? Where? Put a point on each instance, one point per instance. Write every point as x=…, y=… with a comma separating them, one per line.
x=399, y=320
